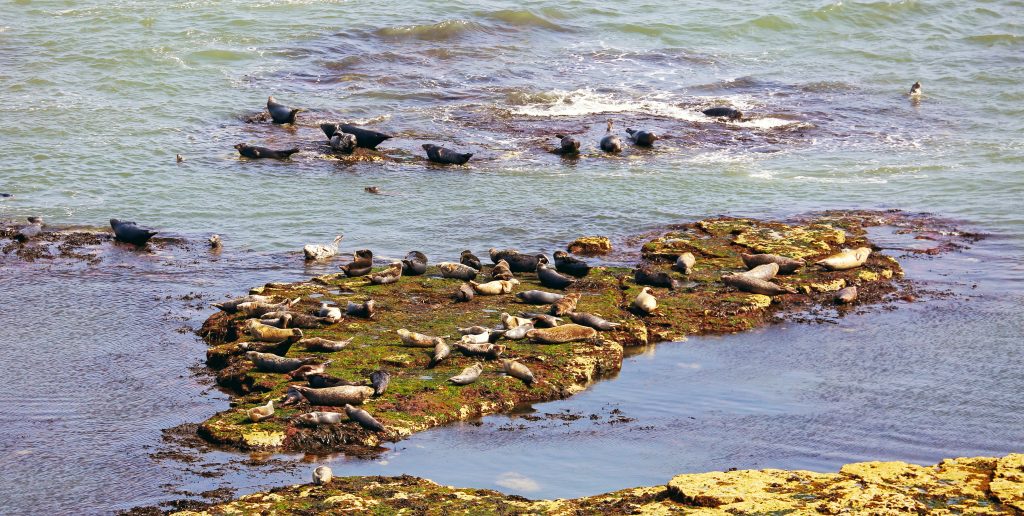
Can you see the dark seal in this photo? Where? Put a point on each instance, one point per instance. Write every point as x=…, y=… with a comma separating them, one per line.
x=127, y=231
x=642, y=138
x=414, y=264
x=727, y=112
x=470, y=259
x=611, y=143
x=365, y=138
x=280, y=113
x=445, y=156
x=568, y=145
x=253, y=152
x=570, y=264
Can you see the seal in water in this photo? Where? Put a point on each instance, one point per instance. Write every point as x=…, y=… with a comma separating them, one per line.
x=568, y=145
x=387, y=276
x=33, y=229
x=565, y=305
x=280, y=113
x=441, y=352
x=592, y=320
x=487, y=350
x=414, y=264
x=379, y=380
x=178, y=158
x=728, y=112
x=329, y=312
x=517, y=370
x=274, y=364
x=253, y=152
x=215, y=242
x=501, y=271
x=611, y=143
x=418, y=340
x=456, y=271
x=542, y=320
x=846, y=295
x=642, y=138
x=519, y=332
x=127, y=231
x=786, y=265
x=444, y=156
x=915, y=89
x=648, y=276
x=322, y=344
x=321, y=380
x=847, y=259
x=465, y=293
x=344, y=143
x=494, y=288
x=468, y=375
x=364, y=310
x=645, y=301
x=561, y=334
x=319, y=418
x=551, y=278
x=257, y=414
x=336, y=396
x=469, y=259
x=365, y=138
x=755, y=285
x=539, y=297
x=322, y=475
x=364, y=419
x=570, y=264
x=321, y=251
x=361, y=264
x=303, y=372
x=685, y=263
x=372, y=190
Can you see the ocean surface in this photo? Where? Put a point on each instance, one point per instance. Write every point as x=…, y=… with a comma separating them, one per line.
x=101, y=96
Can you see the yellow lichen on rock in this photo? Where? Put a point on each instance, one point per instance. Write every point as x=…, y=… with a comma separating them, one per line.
x=590, y=245
x=263, y=439
x=1008, y=481
x=741, y=491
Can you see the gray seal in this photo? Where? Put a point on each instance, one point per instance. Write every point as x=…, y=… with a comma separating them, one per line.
x=361, y=264
x=468, y=375
x=517, y=262
x=365, y=138
x=336, y=396
x=648, y=276
x=570, y=265
x=465, y=293
x=595, y=322
x=517, y=370
x=344, y=143
x=441, y=352
x=456, y=271
x=364, y=419
x=568, y=145
x=321, y=380
x=727, y=112
x=642, y=138
x=379, y=380
x=438, y=154
x=319, y=418
x=611, y=143
x=786, y=265
x=32, y=230
x=414, y=264
x=539, y=297
x=755, y=285
x=364, y=310
x=387, y=276
x=269, y=363
x=253, y=152
x=469, y=259
x=501, y=271
x=127, y=231
x=553, y=279
x=321, y=344
x=280, y=113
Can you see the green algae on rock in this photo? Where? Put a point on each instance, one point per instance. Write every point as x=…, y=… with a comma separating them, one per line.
x=420, y=397
x=979, y=485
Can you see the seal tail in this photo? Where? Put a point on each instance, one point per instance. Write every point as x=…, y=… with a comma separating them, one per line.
x=289, y=152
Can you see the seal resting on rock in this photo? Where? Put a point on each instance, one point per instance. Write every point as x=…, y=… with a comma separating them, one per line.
x=727, y=112
x=387, y=276
x=469, y=259
x=280, y=113
x=786, y=265
x=303, y=372
x=127, y=231
x=253, y=152
x=568, y=145
x=517, y=370
x=501, y=271
x=642, y=138
x=541, y=320
x=414, y=264
x=846, y=295
x=365, y=138
x=553, y=279
x=755, y=285
x=685, y=263
x=322, y=475
x=565, y=305
x=648, y=276
x=539, y=297
x=321, y=251
x=445, y=156
x=561, y=334
x=418, y=340
x=456, y=270
x=611, y=143
x=336, y=396
x=519, y=332
x=344, y=143
x=592, y=321
x=321, y=344
x=329, y=312
x=321, y=380
x=468, y=375
x=487, y=350
x=267, y=333
x=441, y=352
x=364, y=310
x=364, y=419
x=845, y=260
x=379, y=380
x=517, y=262
x=319, y=418
x=232, y=305
x=645, y=301
x=361, y=264
x=763, y=272
x=257, y=414
x=33, y=229
x=493, y=288
x=274, y=364
x=570, y=265
x=465, y=293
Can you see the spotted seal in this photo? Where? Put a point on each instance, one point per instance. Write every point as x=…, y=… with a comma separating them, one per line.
x=561, y=334
x=365, y=309
x=846, y=295
x=567, y=145
x=418, y=340
x=387, y=276
x=317, y=418
x=517, y=262
x=551, y=278
x=322, y=475
x=32, y=230
x=755, y=285
x=846, y=259
x=320, y=251
x=379, y=380
x=645, y=301
x=494, y=288
x=487, y=350
x=231, y=306
x=303, y=372
x=129, y=232
x=727, y=112
x=685, y=262
x=501, y=271
x=344, y=143
x=570, y=265
x=257, y=414
x=468, y=375
x=438, y=154
x=456, y=271
x=361, y=264
x=322, y=344
x=592, y=321
x=254, y=152
x=764, y=272
x=539, y=297
x=517, y=370
x=786, y=265
x=363, y=418
x=611, y=143
x=647, y=276
x=469, y=259
x=414, y=264
x=565, y=305
x=267, y=333
x=441, y=352
x=642, y=138
x=274, y=364
x=519, y=332
x=336, y=396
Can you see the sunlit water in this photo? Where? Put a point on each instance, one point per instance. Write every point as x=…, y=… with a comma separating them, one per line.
x=100, y=96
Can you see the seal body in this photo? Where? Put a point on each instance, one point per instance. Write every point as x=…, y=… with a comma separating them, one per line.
x=257, y=414
x=361, y=264
x=322, y=475
x=469, y=259
x=329, y=312
x=277, y=348
x=232, y=305
x=645, y=301
x=321, y=380
x=915, y=89
x=754, y=285
x=274, y=364
x=539, y=297
x=414, y=264
x=642, y=138
x=390, y=275
x=501, y=271
x=517, y=370
x=685, y=262
x=32, y=230
x=611, y=143
x=567, y=145
x=763, y=272
x=727, y=112
x=336, y=396
x=456, y=270
x=468, y=375
x=465, y=293
x=493, y=288
x=511, y=321
x=562, y=334
x=418, y=340
x=321, y=344
x=571, y=265
x=379, y=380
x=487, y=350
x=542, y=320
x=846, y=295
x=517, y=262
x=319, y=418
x=445, y=156
x=344, y=143
x=565, y=305
x=280, y=113
x=365, y=138
x=593, y=321
x=847, y=259
x=364, y=310
x=129, y=232
x=648, y=276
x=441, y=352
x=303, y=372
x=363, y=418
x=254, y=152
x=786, y=265
x=519, y=332
x=553, y=279
x=267, y=333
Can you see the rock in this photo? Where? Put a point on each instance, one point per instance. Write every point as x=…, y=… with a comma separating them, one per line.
x=590, y=245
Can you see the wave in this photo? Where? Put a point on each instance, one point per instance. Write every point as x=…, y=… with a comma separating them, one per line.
x=523, y=19
x=442, y=31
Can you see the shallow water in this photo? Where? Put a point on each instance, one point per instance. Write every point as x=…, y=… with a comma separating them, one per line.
x=106, y=93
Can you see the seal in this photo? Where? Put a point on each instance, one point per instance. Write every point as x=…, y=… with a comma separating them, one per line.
x=329, y=312
x=414, y=264
x=517, y=262
x=129, y=232
x=517, y=370
x=755, y=286
x=441, y=352
x=539, y=297
x=456, y=271
x=277, y=348
x=320, y=380
x=465, y=293
x=469, y=259
x=387, y=276
x=322, y=344
x=763, y=272
x=266, y=333
x=379, y=380
x=364, y=310
x=611, y=143
x=567, y=145
x=302, y=373
x=364, y=419
x=501, y=271
x=291, y=397
x=685, y=263
x=541, y=320
x=482, y=338
x=178, y=158
x=510, y=321
x=551, y=278
x=254, y=152
x=259, y=309
x=487, y=350
x=32, y=230
x=592, y=321
x=372, y=190
x=319, y=418
x=786, y=265
x=645, y=301
x=232, y=305
x=322, y=475
x=727, y=112
x=565, y=305
x=295, y=320
x=648, y=276
x=468, y=375
x=570, y=265
x=438, y=154
x=473, y=330
x=845, y=260
x=274, y=364
x=361, y=264
x=336, y=396
x=915, y=89
x=280, y=113
x=215, y=242
x=561, y=334
x=519, y=332
x=642, y=138
x=257, y=414
x=846, y=295
x=344, y=143
x=321, y=251
x=418, y=340
x=494, y=288
x=365, y=138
